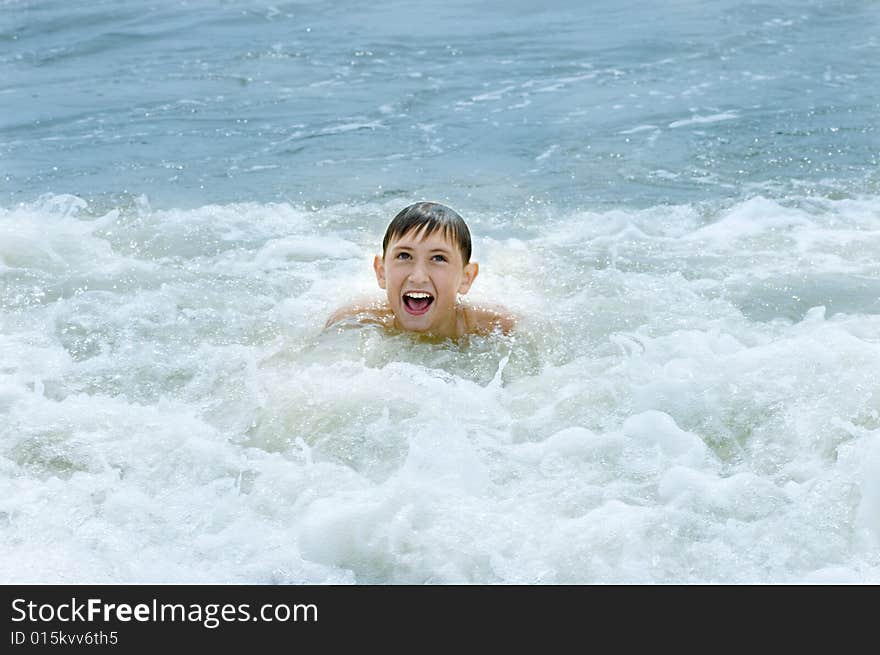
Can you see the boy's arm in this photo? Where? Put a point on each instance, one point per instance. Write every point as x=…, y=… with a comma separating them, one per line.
x=365, y=312
x=341, y=314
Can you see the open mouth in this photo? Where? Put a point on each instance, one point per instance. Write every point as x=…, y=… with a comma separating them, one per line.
x=417, y=302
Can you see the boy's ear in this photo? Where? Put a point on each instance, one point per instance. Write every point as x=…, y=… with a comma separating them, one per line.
x=379, y=267
x=470, y=274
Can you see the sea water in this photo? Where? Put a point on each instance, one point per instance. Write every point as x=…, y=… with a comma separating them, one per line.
x=680, y=199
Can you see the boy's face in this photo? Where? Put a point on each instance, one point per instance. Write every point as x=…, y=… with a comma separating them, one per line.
x=422, y=277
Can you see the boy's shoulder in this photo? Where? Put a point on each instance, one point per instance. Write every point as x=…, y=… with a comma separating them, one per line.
x=364, y=311
x=484, y=319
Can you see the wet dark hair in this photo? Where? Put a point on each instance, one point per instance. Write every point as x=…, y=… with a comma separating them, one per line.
x=427, y=218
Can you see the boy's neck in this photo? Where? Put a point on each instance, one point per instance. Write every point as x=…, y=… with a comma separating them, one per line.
x=454, y=328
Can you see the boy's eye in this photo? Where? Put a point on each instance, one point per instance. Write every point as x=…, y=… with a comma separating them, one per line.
x=402, y=255
x=439, y=258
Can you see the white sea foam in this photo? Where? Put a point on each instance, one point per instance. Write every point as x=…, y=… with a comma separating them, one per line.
x=638, y=128
x=701, y=120
x=692, y=396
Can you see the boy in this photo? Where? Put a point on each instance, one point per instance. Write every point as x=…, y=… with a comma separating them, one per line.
x=425, y=265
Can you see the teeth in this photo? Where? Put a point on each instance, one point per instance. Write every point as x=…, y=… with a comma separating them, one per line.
x=417, y=294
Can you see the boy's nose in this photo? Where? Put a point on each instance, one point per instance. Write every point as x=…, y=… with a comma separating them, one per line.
x=419, y=273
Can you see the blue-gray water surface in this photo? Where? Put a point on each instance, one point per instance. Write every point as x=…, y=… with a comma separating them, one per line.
x=488, y=104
